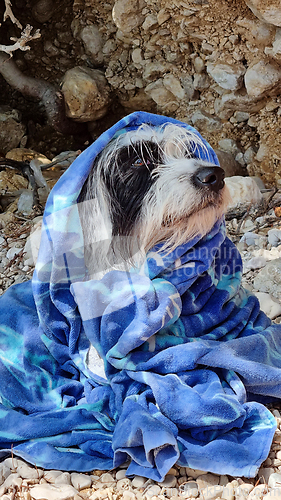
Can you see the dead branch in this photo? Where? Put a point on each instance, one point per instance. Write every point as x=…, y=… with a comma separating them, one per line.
x=20, y=43
x=9, y=14
x=45, y=92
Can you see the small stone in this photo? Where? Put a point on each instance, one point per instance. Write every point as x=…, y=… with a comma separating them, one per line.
x=256, y=263
x=270, y=306
x=123, y=484
x=229, y=146
x=189, y=489
x=227, y=76
x=207, y=480
x=170, y=481
x=27, y=472
x=86, y=94
x=258, y=492
x=242, y=190
x=274, y=237
x=51, y=475
x=261, y=78
x=228, y=492
x=120, y=474
x=138, y=481
x=107, y=478
x=12, y=252
x=128, y=495
x=63, y=478
x=51, y=492
x=80, y=481
x=275, y=480
x=274, y=494
x=153, y=491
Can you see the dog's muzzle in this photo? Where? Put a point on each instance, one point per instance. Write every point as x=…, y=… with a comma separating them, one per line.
x=210, y=177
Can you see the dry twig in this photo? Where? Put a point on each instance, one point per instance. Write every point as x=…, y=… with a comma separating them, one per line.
x=9, y=14
x=20, y=43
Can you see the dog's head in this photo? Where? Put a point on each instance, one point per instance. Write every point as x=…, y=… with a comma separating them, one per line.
x=148, y=186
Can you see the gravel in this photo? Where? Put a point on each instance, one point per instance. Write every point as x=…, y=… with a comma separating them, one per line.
x=19, y=480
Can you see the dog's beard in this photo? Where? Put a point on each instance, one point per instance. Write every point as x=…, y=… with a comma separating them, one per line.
x=142, y=192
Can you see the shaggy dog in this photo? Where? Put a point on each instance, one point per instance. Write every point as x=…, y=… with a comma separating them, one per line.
x=146, y=187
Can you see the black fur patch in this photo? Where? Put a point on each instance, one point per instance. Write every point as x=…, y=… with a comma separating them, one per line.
x=127, y=181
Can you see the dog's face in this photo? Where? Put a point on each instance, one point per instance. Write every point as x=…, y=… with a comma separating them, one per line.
x=146, y=187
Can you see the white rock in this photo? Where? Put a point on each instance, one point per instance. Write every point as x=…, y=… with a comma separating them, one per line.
x=227, y=76
x=12, y=252
x=161, y=95
x=172, y=84
x=80, y=481
x=128, y=495
x=138, y=481
x=189, y=489
x=268, y=280
x=51, y=475
x=107, y=478
x=127, y=14
x=51, y=492
x=262, y=77
x=63, y=478
x=31, y=247
x=201, y=119
x=228, y=492
x=269, y=11
x=207, y=480
x=120, y=474
x=255, y=263
x=242, y=190
x=250, y=238
x=2, y=240
x=258, y=492
x=229, y=146
x=275, y=480
x=274, y=237
x=153, y=491
x=27, y=472
x=274, y=494
x=198, y=64
x=93, y=42
x=86, y=94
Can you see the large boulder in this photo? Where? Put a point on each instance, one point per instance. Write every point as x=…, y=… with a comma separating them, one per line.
x=86, y=93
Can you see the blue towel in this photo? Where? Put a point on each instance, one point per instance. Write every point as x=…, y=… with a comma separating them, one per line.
x=188, y=357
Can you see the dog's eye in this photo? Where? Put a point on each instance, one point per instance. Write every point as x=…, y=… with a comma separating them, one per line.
x=140, y=163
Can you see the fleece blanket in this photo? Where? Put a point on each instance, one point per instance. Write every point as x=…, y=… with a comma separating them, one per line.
x=185, y=358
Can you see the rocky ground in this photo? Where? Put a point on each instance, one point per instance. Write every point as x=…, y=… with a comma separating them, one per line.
x=256, y=229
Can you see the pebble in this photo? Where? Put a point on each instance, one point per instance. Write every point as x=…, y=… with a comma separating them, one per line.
x=138, y=481
x=80, y=481
x=153, y=491
x=207, y=480
x=63, y=478
x=274, y=480
x=107, y=478
x=51, y=492
x=274, y=237
x=189, y=489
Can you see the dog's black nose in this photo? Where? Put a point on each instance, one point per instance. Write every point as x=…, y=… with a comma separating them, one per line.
x=210, y=177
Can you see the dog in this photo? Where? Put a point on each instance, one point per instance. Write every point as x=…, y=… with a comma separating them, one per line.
x=148, y=187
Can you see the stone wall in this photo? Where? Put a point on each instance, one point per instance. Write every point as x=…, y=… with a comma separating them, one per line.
x=213, y=63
